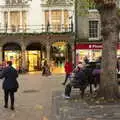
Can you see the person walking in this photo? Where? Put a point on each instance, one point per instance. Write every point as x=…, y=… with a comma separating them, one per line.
x=68, y=69
x=46, y=69
x=10, y=83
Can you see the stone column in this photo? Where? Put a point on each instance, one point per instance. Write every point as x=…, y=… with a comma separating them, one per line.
x=50, y=17
x=50, y=23
x=21, y=22
x=24, y=62
x=1, y=54
x=62, y=21
x=48, y=51
x=9, y=25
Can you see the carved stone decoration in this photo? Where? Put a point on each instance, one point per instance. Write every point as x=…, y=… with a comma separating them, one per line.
x=57, y=2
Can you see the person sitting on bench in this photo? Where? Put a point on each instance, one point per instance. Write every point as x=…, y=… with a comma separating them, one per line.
x=77, y=82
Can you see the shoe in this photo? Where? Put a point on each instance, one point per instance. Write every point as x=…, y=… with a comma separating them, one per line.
x=5, y=106
x=66, y=96
x=12, y=108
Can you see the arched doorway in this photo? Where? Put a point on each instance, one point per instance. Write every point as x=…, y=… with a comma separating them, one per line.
x=35, y=55
x=12, y=52
x=60, y=51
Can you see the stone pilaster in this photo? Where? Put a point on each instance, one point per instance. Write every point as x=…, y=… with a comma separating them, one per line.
x=24, y=62
x=9, y=25
x=50, y=17
x=48, y=51
x=62, y=20
x=1, y=54
x=21, y=22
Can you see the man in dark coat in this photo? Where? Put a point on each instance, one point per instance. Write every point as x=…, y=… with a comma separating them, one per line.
x=10, y=84
x=80, y=80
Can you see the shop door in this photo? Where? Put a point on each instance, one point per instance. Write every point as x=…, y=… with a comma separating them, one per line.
x=33, y=60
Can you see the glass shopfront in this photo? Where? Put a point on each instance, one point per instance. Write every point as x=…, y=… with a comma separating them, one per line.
x=33, y=60
x=58, y=53
x=91, y=51
x=92, y=55
x=14, y=56
x=12, y=52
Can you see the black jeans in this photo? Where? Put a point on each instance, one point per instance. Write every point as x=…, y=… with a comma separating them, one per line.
x=8, y=93
x=66, y=78
x=69, y=86
x=68, y=89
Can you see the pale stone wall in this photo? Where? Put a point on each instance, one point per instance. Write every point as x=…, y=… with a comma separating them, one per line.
x=35, y=14
x=83, y=24
x=82, y=27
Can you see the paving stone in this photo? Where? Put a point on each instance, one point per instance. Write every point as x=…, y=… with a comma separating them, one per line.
x=80, y=110
x=33, y=99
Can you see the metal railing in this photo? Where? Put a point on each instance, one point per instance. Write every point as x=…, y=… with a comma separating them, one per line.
x=36, y=28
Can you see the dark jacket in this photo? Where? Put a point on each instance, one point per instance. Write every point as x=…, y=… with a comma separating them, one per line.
x=10, y=82
x=96, y=74
x=80, y=78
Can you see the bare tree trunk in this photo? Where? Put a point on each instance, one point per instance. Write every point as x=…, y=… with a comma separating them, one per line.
x=108, y=84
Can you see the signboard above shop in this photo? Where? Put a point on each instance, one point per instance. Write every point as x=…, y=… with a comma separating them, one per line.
x=92, y=46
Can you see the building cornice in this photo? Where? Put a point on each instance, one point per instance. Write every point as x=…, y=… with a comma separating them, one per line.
x=14, y=7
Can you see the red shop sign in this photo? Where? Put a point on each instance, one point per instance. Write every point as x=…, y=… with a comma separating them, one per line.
x=92, y=46
x=89, y=46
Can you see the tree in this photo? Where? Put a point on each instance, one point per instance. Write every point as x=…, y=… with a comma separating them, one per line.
x=109, y=25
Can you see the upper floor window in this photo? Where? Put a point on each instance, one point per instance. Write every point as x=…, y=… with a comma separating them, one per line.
x=93, y=29
x=57, y=19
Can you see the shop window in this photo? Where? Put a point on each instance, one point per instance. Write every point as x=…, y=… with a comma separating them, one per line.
x=93, y=29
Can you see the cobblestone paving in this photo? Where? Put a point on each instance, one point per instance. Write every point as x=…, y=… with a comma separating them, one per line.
x=40, y=98
x=33, y=100
x=77, y=109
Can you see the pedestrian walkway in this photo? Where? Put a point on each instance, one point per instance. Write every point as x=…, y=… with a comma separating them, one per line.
x=40, y=98
x=78, y=109
x=58, y=70
x=33, y=100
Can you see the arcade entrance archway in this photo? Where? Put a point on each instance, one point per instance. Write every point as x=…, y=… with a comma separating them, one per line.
x=12, y=52
x=35, y=54
x=60, y=51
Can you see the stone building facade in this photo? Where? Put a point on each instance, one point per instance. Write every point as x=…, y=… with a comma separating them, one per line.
x=31, y=32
